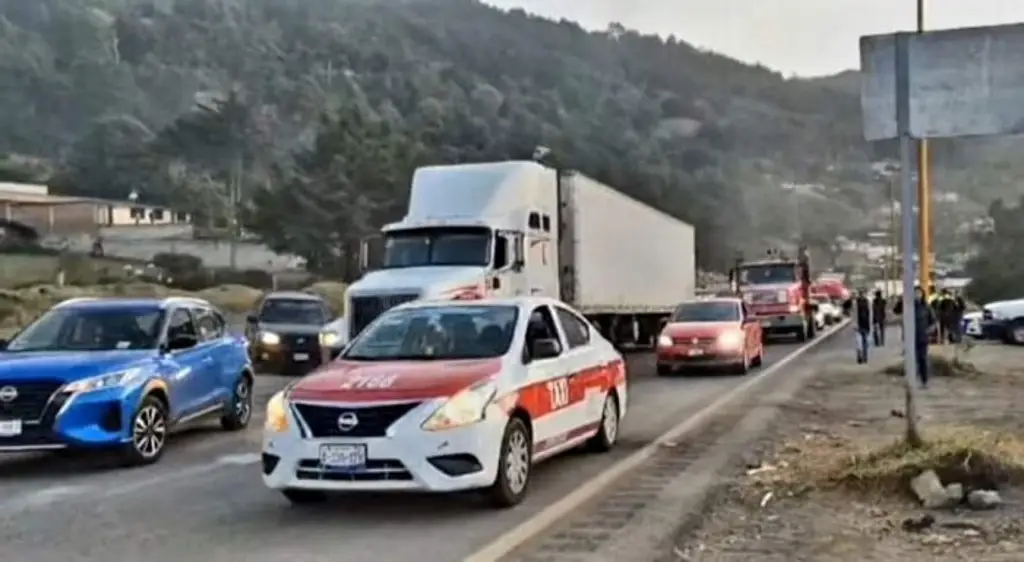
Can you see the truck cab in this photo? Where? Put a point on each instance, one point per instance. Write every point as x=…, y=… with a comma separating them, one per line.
x=777, y=293
x=470, y=231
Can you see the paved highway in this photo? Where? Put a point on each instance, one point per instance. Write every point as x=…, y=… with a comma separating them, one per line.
x=205, y=500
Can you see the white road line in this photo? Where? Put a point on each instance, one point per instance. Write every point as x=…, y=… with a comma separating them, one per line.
x=550, y=515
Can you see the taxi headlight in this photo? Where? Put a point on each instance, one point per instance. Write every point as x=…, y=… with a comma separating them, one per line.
x=731, y=339
x=104, y=381
x=269, y=338
x=330, y=339
x=277, y=414
x=464, y=408
x=664, y=340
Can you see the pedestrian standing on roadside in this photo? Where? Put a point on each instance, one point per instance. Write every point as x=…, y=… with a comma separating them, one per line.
x=924, y=320
x=878, y=313
x=862, y=319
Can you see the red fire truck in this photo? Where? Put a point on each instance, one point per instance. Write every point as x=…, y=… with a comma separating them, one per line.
x=777, y=293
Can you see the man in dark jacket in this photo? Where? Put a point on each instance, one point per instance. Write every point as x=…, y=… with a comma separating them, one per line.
x=862, y=326
x=923, y=322
x=878, y=306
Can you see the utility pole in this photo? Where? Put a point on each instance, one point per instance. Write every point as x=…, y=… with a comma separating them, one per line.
x=924, y=195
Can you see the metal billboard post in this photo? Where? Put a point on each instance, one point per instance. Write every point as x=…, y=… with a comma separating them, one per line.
x=908, y=193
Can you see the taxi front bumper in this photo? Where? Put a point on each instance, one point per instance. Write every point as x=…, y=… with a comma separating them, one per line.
x=404, y=458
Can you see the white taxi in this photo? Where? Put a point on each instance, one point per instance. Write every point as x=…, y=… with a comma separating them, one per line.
x=447, y=396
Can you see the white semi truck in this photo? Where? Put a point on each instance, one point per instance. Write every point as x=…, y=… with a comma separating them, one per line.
x=521, y=228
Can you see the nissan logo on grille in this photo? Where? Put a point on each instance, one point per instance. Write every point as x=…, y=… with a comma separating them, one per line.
x=347, y=421
x=8, y=394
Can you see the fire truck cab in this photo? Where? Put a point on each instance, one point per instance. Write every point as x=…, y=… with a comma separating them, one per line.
x=777, y=291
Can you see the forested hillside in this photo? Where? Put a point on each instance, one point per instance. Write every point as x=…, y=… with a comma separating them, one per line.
x=314, y=112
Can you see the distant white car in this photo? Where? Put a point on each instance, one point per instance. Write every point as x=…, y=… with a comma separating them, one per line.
x=1004, y=320
x=972, y=324
x=827, y=313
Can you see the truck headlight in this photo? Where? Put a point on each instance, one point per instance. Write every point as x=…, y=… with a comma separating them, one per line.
x=277, y=414
x=330, y=339
x=269, y=338
x=664, y=340
x=794, y=309
x=731, y=339
x=464, y=408
x=103, y=381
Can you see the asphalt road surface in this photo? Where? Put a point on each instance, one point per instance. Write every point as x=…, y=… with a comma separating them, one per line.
x=205, y=500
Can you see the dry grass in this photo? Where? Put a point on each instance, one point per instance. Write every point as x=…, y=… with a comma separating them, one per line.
x=973, y=457
x=943, y=362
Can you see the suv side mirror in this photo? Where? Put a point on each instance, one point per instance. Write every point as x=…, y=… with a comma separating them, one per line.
x=545, y=349
x=181, y=342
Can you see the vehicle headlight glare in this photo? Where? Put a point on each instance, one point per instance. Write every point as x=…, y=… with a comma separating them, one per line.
x=277, y=414
x=664, y=340
x=103, y=381
x=330, y=339
x=731, y=339
x=269, y=338
x=783, y=296
x=464, y=408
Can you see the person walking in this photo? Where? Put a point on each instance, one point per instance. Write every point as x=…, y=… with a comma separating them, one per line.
x=924, y=319
x=945, y=310
x=862, y=317
x=878, y=313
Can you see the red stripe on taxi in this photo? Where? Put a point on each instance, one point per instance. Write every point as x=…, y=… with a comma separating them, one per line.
x=354, y=381
x=544, y=398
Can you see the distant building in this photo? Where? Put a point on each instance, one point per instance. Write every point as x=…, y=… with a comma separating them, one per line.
x=33, y=207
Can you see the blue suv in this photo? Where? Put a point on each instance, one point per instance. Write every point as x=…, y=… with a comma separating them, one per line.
x=121, y=374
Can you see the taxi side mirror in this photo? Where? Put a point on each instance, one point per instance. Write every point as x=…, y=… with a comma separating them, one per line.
x=546, y=348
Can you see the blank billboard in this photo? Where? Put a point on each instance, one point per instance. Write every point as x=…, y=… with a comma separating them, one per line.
x=963, y=82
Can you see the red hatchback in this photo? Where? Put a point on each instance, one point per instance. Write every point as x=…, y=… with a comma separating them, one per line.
x=716, y=332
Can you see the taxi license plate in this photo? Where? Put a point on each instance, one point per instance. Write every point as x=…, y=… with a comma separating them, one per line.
x=695, y=352
x=10, y=428
x=301, y=357
x=343, y=456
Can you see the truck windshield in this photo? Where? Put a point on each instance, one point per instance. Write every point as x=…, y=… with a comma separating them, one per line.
x=438, y=246
x=768, y=274
x=92, y=328
x=437, y=333
x=707, y=312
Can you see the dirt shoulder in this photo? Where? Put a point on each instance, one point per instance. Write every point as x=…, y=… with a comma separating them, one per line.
x=828, y=483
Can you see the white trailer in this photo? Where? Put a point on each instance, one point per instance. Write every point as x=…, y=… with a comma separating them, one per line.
x=521, y=228
x=621, y=259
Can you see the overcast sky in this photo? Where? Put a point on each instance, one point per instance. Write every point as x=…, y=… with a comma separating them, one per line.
x=804, y=37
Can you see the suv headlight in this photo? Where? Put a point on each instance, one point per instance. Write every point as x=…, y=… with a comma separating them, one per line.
x=103, y=381
x=269, y=338
x=731, y=339
x=330, y=339
x=464, y=408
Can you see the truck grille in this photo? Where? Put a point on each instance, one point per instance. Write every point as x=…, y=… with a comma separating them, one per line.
x=766, y=297
x=373, y=421
x=31, y=399
x=367, y=309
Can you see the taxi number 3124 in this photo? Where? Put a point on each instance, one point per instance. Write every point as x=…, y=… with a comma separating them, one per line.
x=558, y=390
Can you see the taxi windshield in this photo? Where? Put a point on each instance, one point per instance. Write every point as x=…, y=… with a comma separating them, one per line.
x=707, y=312
x=437, y=332
x=91, y=328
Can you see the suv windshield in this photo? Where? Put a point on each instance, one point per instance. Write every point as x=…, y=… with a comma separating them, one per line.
x=707, y=312
x=292, y=311
x=91, y=328
x=767, y=274
x=448, y=246
x=437, y=332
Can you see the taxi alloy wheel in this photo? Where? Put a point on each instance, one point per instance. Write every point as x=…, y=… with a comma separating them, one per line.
x=149, y=429
x=240, y=409
x=515, y=465
x=608, y=432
